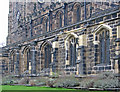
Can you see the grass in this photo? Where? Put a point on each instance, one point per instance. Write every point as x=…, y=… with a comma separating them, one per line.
x=8, y=88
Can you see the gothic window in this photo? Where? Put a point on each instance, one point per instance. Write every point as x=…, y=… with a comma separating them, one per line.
x=59, y=19
x=71, y=51
x=27, y=59
x=76, y=15
x=104, y=46
x=47, y=57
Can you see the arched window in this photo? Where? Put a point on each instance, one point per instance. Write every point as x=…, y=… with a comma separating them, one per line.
x=72, y=50
x=27, y=59
x=45, y=55
x=47, y=58
x=76, y=15
x=104, y=46
x=59, y=19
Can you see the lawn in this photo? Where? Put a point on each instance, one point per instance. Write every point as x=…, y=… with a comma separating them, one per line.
x=8, y=88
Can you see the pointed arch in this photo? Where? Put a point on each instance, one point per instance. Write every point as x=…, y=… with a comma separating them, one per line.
x=102, y=35
x=44, y=43
x=59, y=19
x=70, y=46
x=71, y=34
x=103, y=26
x=27, y=59
x=45, y=48
x=76, y=12
x=45, y=24
x=25, y=49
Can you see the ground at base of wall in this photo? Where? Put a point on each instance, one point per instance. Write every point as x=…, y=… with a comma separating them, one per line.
x=19, y=88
